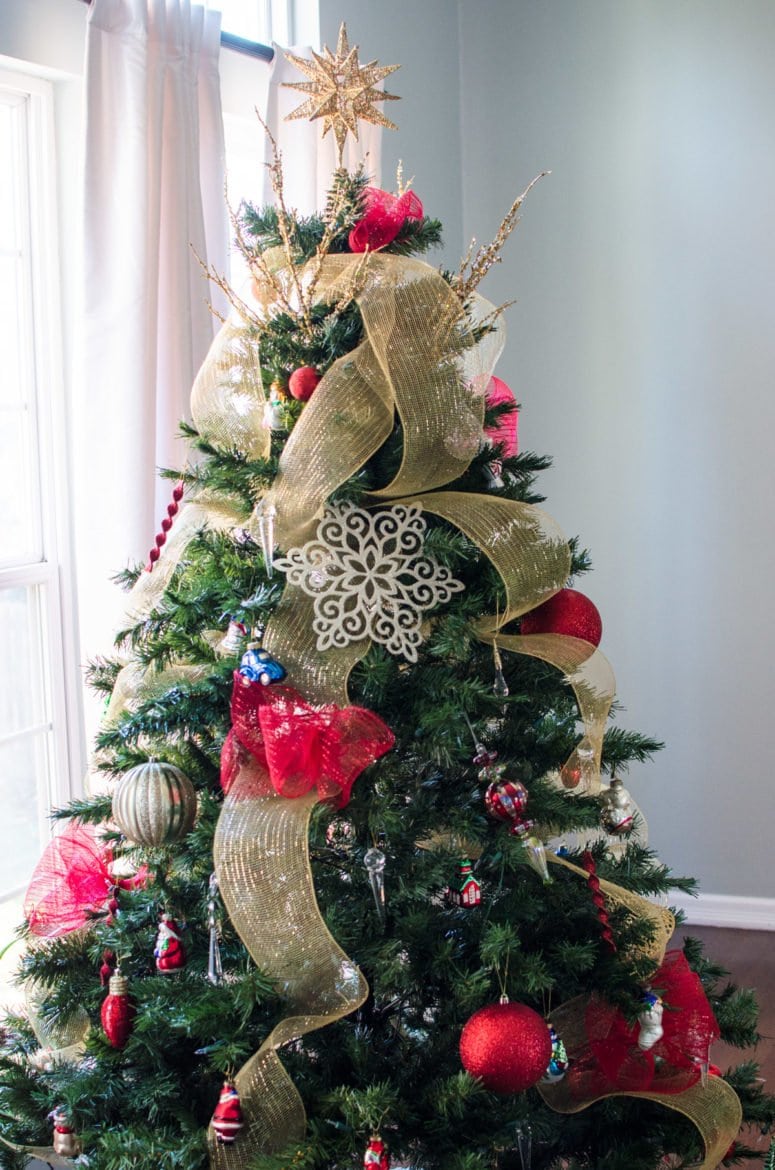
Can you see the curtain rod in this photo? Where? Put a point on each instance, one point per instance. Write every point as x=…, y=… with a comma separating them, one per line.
x=240, y=45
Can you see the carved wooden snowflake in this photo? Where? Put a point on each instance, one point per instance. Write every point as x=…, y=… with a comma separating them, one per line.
x=368, y=578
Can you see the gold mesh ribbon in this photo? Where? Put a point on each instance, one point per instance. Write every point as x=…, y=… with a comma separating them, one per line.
x=714, y=1108
x=227, y=398
x=418, y=360
x=264, y=875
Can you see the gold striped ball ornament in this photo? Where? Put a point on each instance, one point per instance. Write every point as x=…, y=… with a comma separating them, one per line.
x=154, y=804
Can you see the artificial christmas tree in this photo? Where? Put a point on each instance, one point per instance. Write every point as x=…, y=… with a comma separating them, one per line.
x=378, y=537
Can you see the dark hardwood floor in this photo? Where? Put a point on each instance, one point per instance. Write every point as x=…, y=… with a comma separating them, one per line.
x=749, y=956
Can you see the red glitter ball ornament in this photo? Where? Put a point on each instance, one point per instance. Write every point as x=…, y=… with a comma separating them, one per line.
x=568, y=612
x=302, y=383
x=507, y=1045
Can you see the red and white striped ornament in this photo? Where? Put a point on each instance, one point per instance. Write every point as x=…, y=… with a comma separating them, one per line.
x=227, y=1120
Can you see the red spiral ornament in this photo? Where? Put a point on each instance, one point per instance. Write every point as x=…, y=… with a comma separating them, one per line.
x=161, y=537
x=593, y=881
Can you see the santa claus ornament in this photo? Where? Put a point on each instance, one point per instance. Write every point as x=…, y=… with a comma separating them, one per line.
x=169, y=951
x=376, y=1154
x=227, y=1120
x=507, y=1046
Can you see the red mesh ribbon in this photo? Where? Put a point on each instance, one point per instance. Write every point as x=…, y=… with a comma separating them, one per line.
x=72, y=882
x=673, y=1064
x=385, y=215
x=302, y=747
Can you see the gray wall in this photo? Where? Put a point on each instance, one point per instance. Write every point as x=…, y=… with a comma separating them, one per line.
x=643, y=350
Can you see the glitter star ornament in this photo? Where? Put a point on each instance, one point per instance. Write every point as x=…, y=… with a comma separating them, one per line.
x=368, y=578
x=341, y=91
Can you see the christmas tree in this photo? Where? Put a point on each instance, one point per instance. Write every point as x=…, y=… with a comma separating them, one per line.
x=355, y=731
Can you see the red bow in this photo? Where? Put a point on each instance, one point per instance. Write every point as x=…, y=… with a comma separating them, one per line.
x=673, y=1064
x=300, y=746
x=385, y=215
x=72, y=882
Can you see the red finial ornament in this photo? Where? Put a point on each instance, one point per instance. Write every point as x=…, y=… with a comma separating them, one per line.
x=161, y=537
x=593, y=881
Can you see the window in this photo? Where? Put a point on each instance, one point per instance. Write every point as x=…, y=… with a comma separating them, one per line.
x=37, y=758
x=288, y=22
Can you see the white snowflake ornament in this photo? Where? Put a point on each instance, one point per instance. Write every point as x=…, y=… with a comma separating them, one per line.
x=368, y=578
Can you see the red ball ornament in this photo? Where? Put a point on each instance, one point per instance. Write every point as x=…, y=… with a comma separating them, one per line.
x=507, y=1045
x=505, y=800
x=568, y=612
x=302, y=383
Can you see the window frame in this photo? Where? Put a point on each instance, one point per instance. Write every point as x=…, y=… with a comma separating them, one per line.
x=51, y=570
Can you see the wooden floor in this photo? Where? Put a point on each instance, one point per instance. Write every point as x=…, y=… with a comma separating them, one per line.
x=749, y=956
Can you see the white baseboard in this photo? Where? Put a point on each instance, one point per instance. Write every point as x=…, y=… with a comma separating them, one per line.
x=735, y=913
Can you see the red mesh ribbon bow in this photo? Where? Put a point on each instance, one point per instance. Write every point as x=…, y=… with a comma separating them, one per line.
x=302, y=747
x=385, y=215
x=72, y=882
x=674, y=1062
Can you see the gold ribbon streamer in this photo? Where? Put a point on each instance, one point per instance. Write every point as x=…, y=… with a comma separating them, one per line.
x=418, y=359
x=227, y=398
x=265, y=879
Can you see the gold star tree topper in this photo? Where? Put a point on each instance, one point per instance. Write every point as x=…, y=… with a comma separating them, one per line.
x=342, y=91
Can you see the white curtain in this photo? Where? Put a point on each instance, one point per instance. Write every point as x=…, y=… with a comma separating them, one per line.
x=154, y=195
x=309, y=160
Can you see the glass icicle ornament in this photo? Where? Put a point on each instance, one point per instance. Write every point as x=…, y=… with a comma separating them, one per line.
x=374, y=860
x=214, y=963
x=500, y=687
x=525, y=1146
x=265, y=514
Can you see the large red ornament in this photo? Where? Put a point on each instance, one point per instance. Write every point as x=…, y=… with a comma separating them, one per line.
x=385, y=215
x=302, y=383
x=227, y=1119
x=504, y=431
x=118, y=1011
x=507, y=1045
x=568, y=612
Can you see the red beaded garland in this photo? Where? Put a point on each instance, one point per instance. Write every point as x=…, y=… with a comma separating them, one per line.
x=506, y=1045
x=568, y=612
